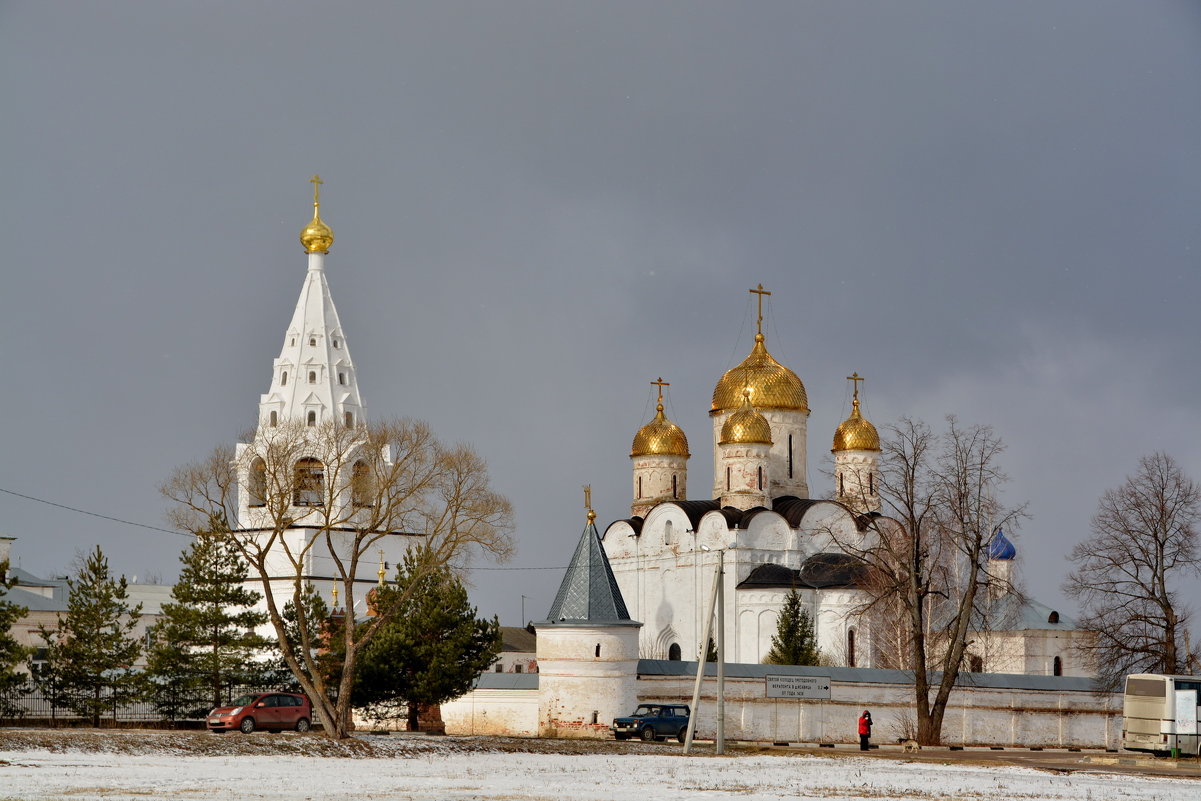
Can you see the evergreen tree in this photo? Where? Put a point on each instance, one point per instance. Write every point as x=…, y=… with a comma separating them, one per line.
x=326, y=644
x=205, y=644
x=434, y=647
x=90, y=655
x=12, y=653
x=794, y=642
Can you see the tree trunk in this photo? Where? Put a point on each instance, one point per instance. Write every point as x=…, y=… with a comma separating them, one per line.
x=429, y=719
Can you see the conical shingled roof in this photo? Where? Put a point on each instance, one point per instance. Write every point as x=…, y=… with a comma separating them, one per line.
x=589, y=592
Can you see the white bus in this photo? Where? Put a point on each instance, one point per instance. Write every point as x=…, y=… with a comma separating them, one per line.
x=1160, y=713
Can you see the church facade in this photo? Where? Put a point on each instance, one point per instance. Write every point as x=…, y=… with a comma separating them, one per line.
x=760, y=520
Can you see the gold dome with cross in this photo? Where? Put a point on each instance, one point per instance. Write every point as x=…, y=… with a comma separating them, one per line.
x=856, y=433
x=316, y=236
x=660, y=436
x=772, y=385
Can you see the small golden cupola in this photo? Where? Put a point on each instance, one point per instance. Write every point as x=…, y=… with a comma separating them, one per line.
x=316, y=236
x=746, y=425
x=659, y=458
x=856, y=433
x=660, y=436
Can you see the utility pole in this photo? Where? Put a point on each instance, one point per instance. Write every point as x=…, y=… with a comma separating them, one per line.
x=716, y=601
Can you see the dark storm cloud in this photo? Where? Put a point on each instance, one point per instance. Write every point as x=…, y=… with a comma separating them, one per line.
x=987, y=209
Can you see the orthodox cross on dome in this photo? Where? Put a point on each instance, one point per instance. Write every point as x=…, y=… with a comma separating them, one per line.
x=316, y=182
x=855, y=377
x=660, y=383
x=588, y=502
x=760, y=291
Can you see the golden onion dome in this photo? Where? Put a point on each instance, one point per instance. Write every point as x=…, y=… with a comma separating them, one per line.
x=856, y=433
x=316, y=236
x=746, y=425
x=660, y=436
x=772, y=385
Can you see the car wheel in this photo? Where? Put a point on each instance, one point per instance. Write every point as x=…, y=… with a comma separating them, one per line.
x=682, y=734
x=303, y=725
x=247, y=725
x=648, y=733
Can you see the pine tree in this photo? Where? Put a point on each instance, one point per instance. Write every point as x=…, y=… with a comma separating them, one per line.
x=794, y=642
x=206, y=642
x=90, y=655
x=12, y=653
x=432, y=650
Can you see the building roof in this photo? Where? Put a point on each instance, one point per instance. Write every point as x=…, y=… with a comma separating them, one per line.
x=589, y=593
x=1011, y=612
x=515, y=639
x=820, y=571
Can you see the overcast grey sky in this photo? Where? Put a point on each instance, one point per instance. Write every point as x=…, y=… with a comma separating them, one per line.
x=989, y=209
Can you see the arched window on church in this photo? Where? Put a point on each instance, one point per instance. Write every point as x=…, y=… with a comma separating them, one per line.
x=309, y=489
x=760, y=476
x=639, y=486
x=668, y=532
x=871, y=483
x=674, y=489
x=312, y=340
x=311, y=419
x=348, y=418
x=673, y=652
x=598, y=650
x=274, y=419
x=842, y=485
x=975, y=664
x=312, y=377
x=790, y=455
x=258, y=481
x=850, y=648
x=362, y=485
x=727, y=478
x=342, y=379
x=283, y=378
x=337, y=343
x=1057, y=667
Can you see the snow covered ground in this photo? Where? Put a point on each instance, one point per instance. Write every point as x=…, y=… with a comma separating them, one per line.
x=450, y=772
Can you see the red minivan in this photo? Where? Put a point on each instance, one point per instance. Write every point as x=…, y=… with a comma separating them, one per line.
x=268, y=711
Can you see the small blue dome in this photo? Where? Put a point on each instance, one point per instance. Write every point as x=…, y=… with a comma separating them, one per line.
x=1000, y=548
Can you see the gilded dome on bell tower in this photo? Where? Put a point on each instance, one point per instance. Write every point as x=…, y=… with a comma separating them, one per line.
x=316, y=236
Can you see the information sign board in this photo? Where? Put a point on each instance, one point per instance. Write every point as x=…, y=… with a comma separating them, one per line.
x=811, y=687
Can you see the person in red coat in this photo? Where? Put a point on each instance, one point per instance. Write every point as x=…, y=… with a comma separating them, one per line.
x=865, y=730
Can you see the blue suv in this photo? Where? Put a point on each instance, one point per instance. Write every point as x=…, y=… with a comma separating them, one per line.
x=653, y=722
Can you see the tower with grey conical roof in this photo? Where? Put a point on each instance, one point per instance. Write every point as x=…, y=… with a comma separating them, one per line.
x=587, y=648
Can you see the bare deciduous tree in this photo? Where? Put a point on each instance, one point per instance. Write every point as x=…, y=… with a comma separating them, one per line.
x=1126, y=575
x=334, y=492
x=928, y=556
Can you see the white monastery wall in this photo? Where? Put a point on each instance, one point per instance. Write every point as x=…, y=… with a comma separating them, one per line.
x=507, y=713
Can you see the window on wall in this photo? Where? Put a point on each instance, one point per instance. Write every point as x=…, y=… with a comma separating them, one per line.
x=499, y=667
x=258, y=482
x=312, y=377
x=674, y=487
x=312, y=340
x=727, y=479
x=349, y=418
x=668, y=531
x=871, y=483
x=598, y=650
x=760, y=469
x=517, y=668
x=274, y=419
x=337, y=343
x=639, y=486
x=842, y=485
x=312, y=419
x=850, y=648
x=342, y=379
x=673, y=652
x=975, y=664
x=1057, y=667
x=790, y=455
x=283, y=378
x=310, y=483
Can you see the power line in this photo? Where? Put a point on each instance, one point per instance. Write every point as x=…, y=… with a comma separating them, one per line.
x=94, y=514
